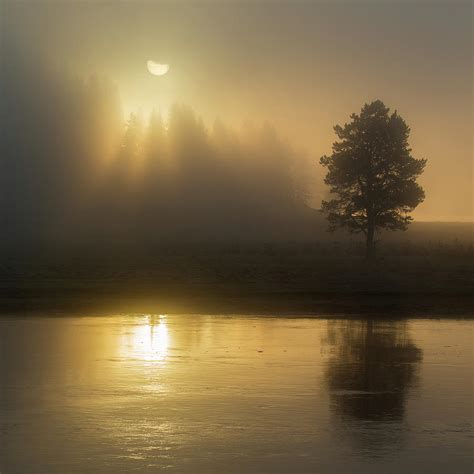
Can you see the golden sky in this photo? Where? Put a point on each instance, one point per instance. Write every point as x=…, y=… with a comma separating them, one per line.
x=304, y=66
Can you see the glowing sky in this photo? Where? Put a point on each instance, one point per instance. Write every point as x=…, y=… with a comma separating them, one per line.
x=303, y=66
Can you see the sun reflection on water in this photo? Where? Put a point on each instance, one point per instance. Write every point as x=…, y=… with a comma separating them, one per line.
x=149, y=339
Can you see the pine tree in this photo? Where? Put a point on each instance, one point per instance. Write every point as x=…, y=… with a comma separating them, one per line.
x=373, y=175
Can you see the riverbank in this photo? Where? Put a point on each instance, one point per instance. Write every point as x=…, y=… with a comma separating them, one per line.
x=270, y=281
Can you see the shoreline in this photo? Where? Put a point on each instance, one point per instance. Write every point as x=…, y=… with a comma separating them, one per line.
x=276, y=281
x=284, y=304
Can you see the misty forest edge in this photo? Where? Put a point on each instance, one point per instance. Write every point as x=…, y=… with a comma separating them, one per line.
x=93, y=190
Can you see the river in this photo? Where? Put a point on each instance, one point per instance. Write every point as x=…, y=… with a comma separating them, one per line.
x=235, y=394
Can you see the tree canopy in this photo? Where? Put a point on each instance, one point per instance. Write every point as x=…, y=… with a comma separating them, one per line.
x=372, y=174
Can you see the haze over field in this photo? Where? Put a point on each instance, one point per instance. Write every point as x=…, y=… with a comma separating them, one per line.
x=92, y=144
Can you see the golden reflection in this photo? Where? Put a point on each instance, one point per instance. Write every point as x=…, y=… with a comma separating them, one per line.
x=148, y=340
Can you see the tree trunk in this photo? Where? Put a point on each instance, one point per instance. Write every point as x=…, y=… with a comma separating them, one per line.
x=370, y=244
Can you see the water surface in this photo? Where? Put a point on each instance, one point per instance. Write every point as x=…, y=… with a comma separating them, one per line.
x=234, y=394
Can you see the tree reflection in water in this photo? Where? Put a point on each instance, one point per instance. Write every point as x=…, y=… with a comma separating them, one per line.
x=371, y=368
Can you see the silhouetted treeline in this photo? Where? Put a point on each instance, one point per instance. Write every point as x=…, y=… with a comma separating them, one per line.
x=73, y=170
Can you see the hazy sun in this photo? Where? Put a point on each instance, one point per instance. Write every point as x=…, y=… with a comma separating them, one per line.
x=157, y=69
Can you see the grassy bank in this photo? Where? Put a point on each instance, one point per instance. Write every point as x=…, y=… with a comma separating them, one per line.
x=259, y=277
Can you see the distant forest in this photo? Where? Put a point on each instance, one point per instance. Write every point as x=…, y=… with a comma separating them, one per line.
x=75, y=170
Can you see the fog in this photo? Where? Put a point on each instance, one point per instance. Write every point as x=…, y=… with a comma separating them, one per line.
x=226, y=145
x=77, y=170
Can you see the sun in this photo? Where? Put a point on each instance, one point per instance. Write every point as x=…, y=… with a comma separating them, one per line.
x=157, y=69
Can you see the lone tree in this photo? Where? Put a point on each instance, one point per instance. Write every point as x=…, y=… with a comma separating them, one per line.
x=373, y=174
